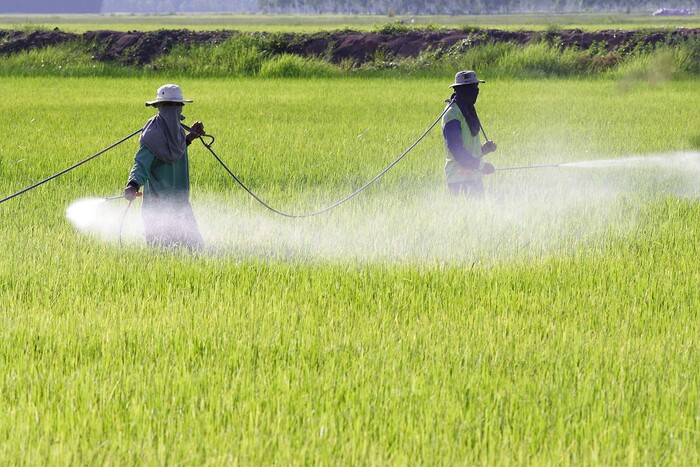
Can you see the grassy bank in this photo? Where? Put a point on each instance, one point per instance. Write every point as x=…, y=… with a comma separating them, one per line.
x=256, y=55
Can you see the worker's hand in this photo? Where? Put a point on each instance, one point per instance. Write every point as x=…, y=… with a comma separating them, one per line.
x=197, y=131
x=488, y=147
x=131, y=191
x=487, y=169
x=197, y=128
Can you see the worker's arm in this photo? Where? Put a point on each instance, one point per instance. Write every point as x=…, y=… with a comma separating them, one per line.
x=452, y=133
x=141, y=168
x=139, y=172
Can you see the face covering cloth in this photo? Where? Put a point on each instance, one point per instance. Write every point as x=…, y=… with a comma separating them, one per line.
x=466, y=98
x=163, y=135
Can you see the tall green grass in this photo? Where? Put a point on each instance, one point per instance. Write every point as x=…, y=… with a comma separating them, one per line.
x=663, y=63
x=516, y=348
x=240, y=56
x=243, y=55
x=543, y=59
x=61, y=61
x=254, y=55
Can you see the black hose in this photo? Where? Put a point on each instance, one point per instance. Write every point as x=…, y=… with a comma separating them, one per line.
x=71, y=167
x=121, y=224
x=338, y=203
x=483, y=132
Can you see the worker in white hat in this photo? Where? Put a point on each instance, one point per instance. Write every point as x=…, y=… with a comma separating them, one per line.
x=161, y=167
x=464, y=166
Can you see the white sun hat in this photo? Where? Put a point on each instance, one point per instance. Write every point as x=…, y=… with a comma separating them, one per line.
x=169, y=93
x=466, y=77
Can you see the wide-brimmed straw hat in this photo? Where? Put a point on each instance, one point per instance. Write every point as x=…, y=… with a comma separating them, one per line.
x=466, y=77
x=169, y=93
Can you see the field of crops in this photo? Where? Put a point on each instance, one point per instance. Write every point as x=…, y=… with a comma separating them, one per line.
x=553, y=322
x=310, y=23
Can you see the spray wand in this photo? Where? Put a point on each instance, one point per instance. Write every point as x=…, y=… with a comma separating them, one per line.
x=110, y=198
x=524, y=167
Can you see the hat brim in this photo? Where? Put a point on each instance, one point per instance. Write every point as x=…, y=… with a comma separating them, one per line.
x=181, y=101
x=467, y=84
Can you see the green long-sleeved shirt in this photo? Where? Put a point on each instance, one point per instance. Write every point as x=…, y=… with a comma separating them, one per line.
x=161, y=181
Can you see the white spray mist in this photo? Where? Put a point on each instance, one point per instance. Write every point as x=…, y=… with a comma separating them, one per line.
x=524, y=213
x=103, y=218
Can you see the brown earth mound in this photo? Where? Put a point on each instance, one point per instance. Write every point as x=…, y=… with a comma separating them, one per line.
x=140, y=48
x=359, y=47
x=20, y=41
x=135, y=47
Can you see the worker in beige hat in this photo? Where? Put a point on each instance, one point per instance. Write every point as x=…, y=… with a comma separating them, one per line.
x=464, y=166
x=161, y=167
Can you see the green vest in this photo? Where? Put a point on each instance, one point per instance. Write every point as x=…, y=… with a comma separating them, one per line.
x=453, y=174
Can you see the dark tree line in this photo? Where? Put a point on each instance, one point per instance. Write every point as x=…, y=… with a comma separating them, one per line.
x=388, y=7
x=465, y=7
x=180, y=6
x=50, y=6
x=371, y=7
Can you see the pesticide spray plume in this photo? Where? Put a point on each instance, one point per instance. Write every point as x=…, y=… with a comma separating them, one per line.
x=536, y=213
x=675, y=161
x=103, y=219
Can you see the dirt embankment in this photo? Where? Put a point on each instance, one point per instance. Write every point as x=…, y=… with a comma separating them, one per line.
x=140, y=48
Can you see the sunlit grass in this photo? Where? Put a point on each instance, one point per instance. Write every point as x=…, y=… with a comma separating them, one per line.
x=553, y=323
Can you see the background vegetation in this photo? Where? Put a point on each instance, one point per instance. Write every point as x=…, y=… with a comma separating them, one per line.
x=255, y=54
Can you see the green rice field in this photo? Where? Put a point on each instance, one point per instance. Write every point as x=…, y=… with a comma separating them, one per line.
x=311, y=23
x=553, y=322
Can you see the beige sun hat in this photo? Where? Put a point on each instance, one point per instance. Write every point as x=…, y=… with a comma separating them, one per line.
x=466, y=77
x=169, y=93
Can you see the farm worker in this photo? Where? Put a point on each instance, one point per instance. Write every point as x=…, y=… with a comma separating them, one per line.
x=161, y=167
x=464, y=167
